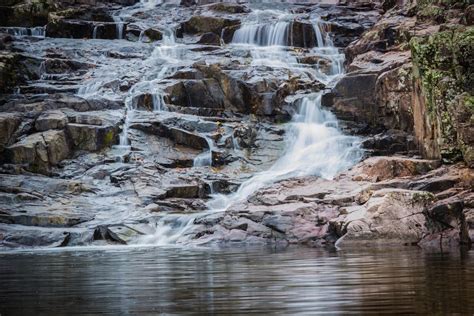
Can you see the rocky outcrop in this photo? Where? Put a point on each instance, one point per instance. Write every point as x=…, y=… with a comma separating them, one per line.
x=443, y=94
x=384, y=201
x=39, y=151
x=411, y=72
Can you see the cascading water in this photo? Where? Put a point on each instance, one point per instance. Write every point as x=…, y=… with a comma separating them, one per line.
x=165, y=54
x=94, y=32
x=150, y=4
x=205, y=158
x=119, y=25
x=315, y=144
x=38, y=31
x=267, y=34
x=263, y=34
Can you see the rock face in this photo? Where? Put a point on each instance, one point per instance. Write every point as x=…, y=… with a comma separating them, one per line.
x=354, y=210
x=444, y=92
x=412, y=72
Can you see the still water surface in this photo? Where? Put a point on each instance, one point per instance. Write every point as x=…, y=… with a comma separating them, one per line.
x=130, y=281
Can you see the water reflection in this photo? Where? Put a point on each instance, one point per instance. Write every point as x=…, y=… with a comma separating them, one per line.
x=179, y=281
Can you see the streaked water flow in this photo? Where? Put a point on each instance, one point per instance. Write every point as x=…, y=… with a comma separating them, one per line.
x=315, y=144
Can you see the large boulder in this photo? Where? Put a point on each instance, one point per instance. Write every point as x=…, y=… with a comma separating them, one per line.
x=391, y=217
x=39, y=151
x=387, y=168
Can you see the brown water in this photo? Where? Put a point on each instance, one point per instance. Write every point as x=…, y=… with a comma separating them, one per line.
x=130, y=281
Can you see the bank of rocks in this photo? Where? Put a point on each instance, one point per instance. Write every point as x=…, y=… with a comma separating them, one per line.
x=383, y=201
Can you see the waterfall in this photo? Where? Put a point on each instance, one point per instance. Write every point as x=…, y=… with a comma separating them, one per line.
x=315, y=145
x=205, y=158
x=140, y=36
x=119, y=25
x=162, y=56
x=94, y=32
x=38, y=31
x=263, y=34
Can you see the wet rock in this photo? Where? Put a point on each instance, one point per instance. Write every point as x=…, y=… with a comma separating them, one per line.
x=391, y=142
x=205, y=24
x=39, y=151
x=228, y=33
x=210, y=39
x=187, y=3
x=153, y=34
x=93, y=131
x=391, y=217
x=390, y=31
x=302, y=35
x=122, y=234
x=69, y=29
x=187, y=191
x=449, y=212
x=345, y=32
x=435, y=184
x=385, y=168
x=42, y=220
x=102, y=31
x=27, y=14
x=81, y=23
x=91, y=137
x=13, y=236
x=8, y=124
x=355, y=98
x=9, y=71
x=178, y=135
x=50, y=120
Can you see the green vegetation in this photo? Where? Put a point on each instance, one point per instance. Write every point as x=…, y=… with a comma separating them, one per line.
x=443, y=64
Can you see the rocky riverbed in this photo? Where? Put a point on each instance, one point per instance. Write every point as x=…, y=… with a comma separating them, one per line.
x=323, y=123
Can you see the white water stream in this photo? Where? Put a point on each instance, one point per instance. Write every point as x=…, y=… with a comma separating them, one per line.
x=315, y=144
x=167, y=54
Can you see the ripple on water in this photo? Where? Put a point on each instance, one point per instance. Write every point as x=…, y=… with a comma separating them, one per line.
x=196, y=281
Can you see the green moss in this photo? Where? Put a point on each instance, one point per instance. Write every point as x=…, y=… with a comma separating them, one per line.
x=423, y=197
x=431, y=12
x=444, y=67
x=469, y=103
x=109, y=138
